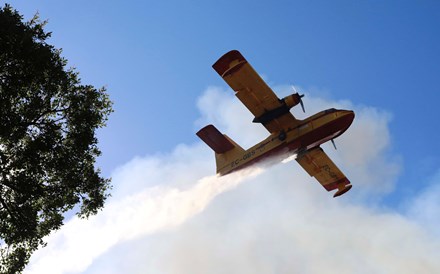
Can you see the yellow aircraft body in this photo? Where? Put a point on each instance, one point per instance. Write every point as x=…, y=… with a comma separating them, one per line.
x=286, y=132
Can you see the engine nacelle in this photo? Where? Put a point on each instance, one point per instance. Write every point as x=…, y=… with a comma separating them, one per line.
x=286, y=104
x=292, y=100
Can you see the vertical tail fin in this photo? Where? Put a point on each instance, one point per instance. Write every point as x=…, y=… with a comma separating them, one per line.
x=225, y=148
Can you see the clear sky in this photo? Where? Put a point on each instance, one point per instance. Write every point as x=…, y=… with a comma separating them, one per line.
x=155, y=59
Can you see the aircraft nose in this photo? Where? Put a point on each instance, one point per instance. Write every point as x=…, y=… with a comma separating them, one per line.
x=350, y=113
x=346, y=118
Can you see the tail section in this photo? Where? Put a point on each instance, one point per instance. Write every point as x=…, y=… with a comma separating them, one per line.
x=226, y=150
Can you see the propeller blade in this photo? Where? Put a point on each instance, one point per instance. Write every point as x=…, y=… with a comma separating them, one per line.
x=334, y=145
x=294, y=89
x=300, y=98
x=301, y=103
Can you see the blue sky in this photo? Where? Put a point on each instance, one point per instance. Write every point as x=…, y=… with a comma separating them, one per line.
x=155, y=59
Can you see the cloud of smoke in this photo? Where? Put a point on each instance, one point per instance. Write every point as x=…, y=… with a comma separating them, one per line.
x=158, y=208
x=425, y=206
x=163, y=217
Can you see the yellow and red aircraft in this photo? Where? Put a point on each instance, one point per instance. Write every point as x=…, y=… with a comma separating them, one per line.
x=287, y=133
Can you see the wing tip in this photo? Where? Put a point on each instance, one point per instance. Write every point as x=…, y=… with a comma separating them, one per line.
x=342, y=189
x=223, y=63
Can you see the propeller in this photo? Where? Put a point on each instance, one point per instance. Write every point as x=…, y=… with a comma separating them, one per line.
x=334, y=145
x=300, y=99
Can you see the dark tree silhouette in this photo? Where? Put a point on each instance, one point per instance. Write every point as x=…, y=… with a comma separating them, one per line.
x=48, y=145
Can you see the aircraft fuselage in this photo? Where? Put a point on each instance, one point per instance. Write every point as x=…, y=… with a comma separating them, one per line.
x=309, y=133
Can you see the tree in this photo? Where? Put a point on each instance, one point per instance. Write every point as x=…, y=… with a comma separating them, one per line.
x=48, y=145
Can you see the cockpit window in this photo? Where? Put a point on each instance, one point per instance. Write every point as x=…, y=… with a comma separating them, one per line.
x=331, y=110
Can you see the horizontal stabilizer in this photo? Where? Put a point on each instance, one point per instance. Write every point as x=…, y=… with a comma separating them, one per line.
x=215, y=139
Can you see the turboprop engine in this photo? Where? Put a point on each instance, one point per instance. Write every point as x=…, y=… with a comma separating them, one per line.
x=293, y=100
x=286, y=104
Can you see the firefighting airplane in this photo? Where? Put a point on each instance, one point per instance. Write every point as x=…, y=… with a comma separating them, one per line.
x=287, y=133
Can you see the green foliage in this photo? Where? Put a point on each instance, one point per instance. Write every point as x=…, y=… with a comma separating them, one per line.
x=48, y=145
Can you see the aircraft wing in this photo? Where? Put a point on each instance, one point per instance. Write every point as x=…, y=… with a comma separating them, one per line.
x=317, y=164
x=253, y=92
